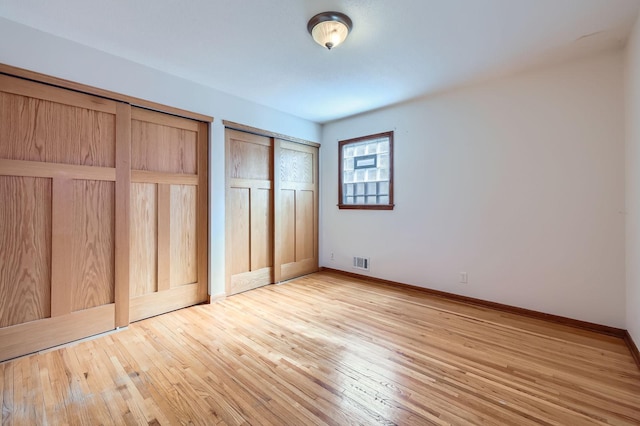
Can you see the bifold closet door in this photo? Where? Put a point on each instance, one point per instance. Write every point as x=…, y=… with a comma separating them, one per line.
x=168, y=213
x=296, y=207
x=249, y=211
x=59, y=227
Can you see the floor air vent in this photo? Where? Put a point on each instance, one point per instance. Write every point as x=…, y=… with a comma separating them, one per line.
x=361, y=263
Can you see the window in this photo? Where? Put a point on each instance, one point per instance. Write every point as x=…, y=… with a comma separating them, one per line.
x=366, y=172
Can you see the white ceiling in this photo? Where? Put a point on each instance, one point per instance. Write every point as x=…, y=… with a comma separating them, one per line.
x=399, y=49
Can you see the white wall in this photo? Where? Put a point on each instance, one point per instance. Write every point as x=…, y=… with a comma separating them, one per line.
x=633, y=184
x=518, y=182
x=34, y=50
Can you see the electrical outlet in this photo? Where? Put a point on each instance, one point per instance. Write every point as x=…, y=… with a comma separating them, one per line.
x=332, y=258
x=464, y=278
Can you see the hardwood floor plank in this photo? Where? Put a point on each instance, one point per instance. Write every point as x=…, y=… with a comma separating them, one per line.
x=294, y=365
x=471, y=311
x=351, y=371
x=330, y=350
x=240, y=373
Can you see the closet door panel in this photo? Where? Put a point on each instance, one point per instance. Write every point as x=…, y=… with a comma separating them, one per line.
x=25, y=249
x=296, y=166
x=92, y=244
x=184, y=249
x=238, y=203
x=296, y=209
x=249, y=211
x=144, y=244
x=75, y=135
x=287, y=232
x=261, y=229
x=18, y=131
x=168, y=154
x=166, y=144
x=40, y=130
x=249, y=157
x=304, y=223
x=57, y=216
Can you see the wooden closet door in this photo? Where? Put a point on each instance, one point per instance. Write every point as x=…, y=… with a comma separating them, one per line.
x=59, y=150
x=249, y=211
x=168, y=213
x=296, y=201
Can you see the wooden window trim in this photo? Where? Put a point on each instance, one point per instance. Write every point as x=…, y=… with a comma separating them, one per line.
x=341, y=144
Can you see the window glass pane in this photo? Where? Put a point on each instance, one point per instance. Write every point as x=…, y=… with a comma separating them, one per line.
x=359, y=200
x=372, y=148
x=348, y=164
x=360, y=189
x=383, y=161
x=372, y=175
x=384, y=200
x=384, y=188
x=371, y=199
x=372, y=188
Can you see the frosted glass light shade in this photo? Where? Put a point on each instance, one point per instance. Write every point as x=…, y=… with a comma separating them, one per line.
x=329, y=29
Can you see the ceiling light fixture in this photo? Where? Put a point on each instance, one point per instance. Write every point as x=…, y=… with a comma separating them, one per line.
x=329, y=29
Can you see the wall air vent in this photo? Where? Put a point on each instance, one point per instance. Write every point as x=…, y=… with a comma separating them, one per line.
x=361, y=263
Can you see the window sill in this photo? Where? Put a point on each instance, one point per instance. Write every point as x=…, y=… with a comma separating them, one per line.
x=366, y=206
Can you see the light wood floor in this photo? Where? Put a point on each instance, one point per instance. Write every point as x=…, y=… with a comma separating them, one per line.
x=329, y=350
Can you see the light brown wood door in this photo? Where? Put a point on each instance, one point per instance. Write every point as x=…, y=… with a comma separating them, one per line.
x=168, y=213
x=59, y=227
x=272, y=210
x=249, y=211
x=296, y=210
x=103, y=214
